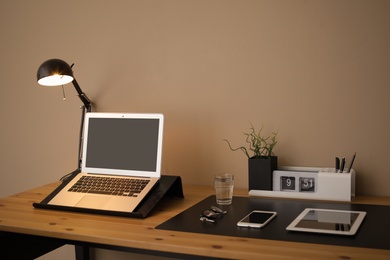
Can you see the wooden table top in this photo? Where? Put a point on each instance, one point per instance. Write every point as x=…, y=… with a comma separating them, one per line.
x=19, y=216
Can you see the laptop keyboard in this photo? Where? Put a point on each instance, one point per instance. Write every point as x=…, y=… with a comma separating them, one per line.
x=110, y=186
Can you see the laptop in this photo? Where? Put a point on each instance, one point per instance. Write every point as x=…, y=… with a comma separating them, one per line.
x=122, y=151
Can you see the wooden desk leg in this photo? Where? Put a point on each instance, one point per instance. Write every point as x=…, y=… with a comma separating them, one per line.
x=82, y=252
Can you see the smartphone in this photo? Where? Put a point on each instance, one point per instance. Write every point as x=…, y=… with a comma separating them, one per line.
x=257, y=219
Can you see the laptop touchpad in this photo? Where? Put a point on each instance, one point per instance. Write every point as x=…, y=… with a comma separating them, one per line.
x=90, y=201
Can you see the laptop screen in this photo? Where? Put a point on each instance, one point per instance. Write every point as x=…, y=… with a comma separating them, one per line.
x=124, y=144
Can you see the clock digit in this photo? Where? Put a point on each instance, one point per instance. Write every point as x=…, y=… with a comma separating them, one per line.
x=287, y=183
x=306, y=184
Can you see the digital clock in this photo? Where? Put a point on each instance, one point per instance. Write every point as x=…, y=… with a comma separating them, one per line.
x=294, y=181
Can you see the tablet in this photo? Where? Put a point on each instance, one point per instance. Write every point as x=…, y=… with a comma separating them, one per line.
x=330, y=221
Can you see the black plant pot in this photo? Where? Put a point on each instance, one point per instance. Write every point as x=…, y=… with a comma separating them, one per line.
x=260, y=172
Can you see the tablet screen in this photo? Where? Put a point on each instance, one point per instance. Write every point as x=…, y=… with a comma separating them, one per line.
x=328, y=221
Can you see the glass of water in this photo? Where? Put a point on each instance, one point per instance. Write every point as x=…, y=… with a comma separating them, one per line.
x=223, y=184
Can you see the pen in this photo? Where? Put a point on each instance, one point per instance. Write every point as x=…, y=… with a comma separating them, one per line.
x=342, y=165
x=353, y=159
x=337, y=164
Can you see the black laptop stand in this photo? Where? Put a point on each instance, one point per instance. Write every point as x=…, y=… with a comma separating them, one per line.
x=168, y=186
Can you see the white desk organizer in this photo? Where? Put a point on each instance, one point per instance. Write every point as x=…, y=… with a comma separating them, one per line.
x=310, y=183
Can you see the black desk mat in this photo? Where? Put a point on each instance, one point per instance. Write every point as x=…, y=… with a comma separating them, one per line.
x=374, y=232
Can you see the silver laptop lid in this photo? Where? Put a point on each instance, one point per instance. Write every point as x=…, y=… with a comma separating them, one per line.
x=123, y=144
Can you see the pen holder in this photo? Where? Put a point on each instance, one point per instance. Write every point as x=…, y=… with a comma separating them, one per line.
x=311, y=183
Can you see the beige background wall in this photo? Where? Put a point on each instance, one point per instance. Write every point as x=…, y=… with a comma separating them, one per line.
x=319, y=71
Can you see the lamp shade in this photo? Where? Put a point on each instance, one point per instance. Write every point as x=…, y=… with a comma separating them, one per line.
x=54, y=72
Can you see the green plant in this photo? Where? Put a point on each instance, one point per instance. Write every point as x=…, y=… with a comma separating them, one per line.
x=260, y=146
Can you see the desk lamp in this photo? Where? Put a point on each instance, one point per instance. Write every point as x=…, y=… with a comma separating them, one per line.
x=56, y=72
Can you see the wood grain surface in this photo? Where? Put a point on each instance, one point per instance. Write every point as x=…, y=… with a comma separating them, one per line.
x=19, y=216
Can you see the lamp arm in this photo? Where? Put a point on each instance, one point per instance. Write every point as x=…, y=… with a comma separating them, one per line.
x=86, y=101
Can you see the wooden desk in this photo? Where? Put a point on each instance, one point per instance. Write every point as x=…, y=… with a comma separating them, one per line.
x=17, y=216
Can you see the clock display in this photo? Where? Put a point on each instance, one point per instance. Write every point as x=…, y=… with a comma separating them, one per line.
x=287, y=183
x=307, y=184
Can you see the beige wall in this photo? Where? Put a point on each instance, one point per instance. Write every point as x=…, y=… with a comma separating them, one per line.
x=316, y=70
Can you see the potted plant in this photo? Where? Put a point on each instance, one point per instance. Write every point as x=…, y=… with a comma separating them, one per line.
x=261, y=158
